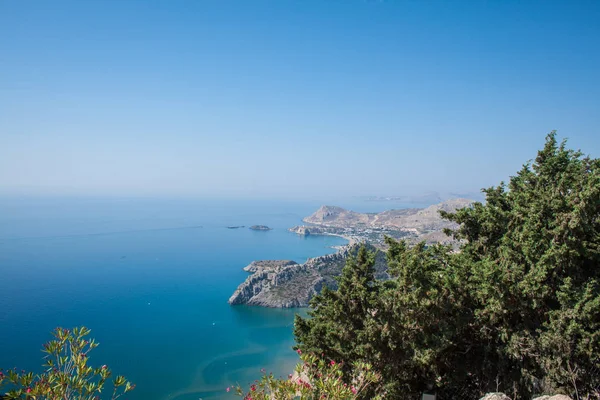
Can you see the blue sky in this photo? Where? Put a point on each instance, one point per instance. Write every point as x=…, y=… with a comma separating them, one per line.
x=289, y=98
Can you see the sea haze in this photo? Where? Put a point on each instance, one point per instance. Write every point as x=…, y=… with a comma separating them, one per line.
x=151, y=279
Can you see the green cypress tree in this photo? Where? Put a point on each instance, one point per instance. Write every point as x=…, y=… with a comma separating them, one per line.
x=517, y=309
x=336, y=327
x=535, y=252
x=425, y=322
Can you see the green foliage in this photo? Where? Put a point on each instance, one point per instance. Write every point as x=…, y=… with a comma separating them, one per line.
x=315, y=378
x=517, y=309
x=67, y=375
x=337, y=327
x=424, y=320
x=535, y=252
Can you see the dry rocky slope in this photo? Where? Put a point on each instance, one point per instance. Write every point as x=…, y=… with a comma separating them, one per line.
x=412, y=224
x=284, y=283
x=421, y=219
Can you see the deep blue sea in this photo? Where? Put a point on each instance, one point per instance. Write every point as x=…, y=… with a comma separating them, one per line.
x=151, y=278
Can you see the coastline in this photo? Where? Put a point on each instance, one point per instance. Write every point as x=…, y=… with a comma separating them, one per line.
x=351, y=239
x=285, y=284
x=315, y=230
x=275, y=283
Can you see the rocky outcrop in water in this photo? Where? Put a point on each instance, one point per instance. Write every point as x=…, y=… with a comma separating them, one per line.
x=287, y=284
x=260, y=228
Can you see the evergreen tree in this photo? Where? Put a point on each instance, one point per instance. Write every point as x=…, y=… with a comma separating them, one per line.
x=516, y=309
x=336, y=328
x=426, y=339
x=534, y=249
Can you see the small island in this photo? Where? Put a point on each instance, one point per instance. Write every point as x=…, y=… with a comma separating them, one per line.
x=260, y=228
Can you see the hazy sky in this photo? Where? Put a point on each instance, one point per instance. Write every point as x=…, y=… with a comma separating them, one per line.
x=283, y=98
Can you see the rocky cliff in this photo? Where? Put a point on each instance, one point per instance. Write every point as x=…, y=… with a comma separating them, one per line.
x=288, y=284
x=256, y=266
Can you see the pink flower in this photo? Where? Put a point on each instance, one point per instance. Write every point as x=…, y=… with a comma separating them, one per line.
x=28, y=390
x=332, y=362
x=253, y=388
x=227, y=390
x=299, y=351
x=353, y=389
x=103, y=367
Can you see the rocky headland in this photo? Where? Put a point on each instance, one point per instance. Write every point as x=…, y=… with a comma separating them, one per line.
x=284, y=283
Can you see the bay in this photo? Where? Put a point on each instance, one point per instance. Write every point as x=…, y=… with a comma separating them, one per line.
x=151, y=278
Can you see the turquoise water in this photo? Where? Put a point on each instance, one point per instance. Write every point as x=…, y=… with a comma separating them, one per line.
x=151, y=279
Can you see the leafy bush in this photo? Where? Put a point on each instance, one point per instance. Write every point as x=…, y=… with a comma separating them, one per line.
x=67, y=375
x=315, y=378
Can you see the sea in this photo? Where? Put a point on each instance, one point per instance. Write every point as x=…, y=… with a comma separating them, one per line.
x=151, y=279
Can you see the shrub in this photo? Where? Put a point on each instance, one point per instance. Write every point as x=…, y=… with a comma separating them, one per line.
x=67, y=375
x=315, y=378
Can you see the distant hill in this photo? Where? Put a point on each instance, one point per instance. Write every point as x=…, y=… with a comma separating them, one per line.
x=422, y=221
